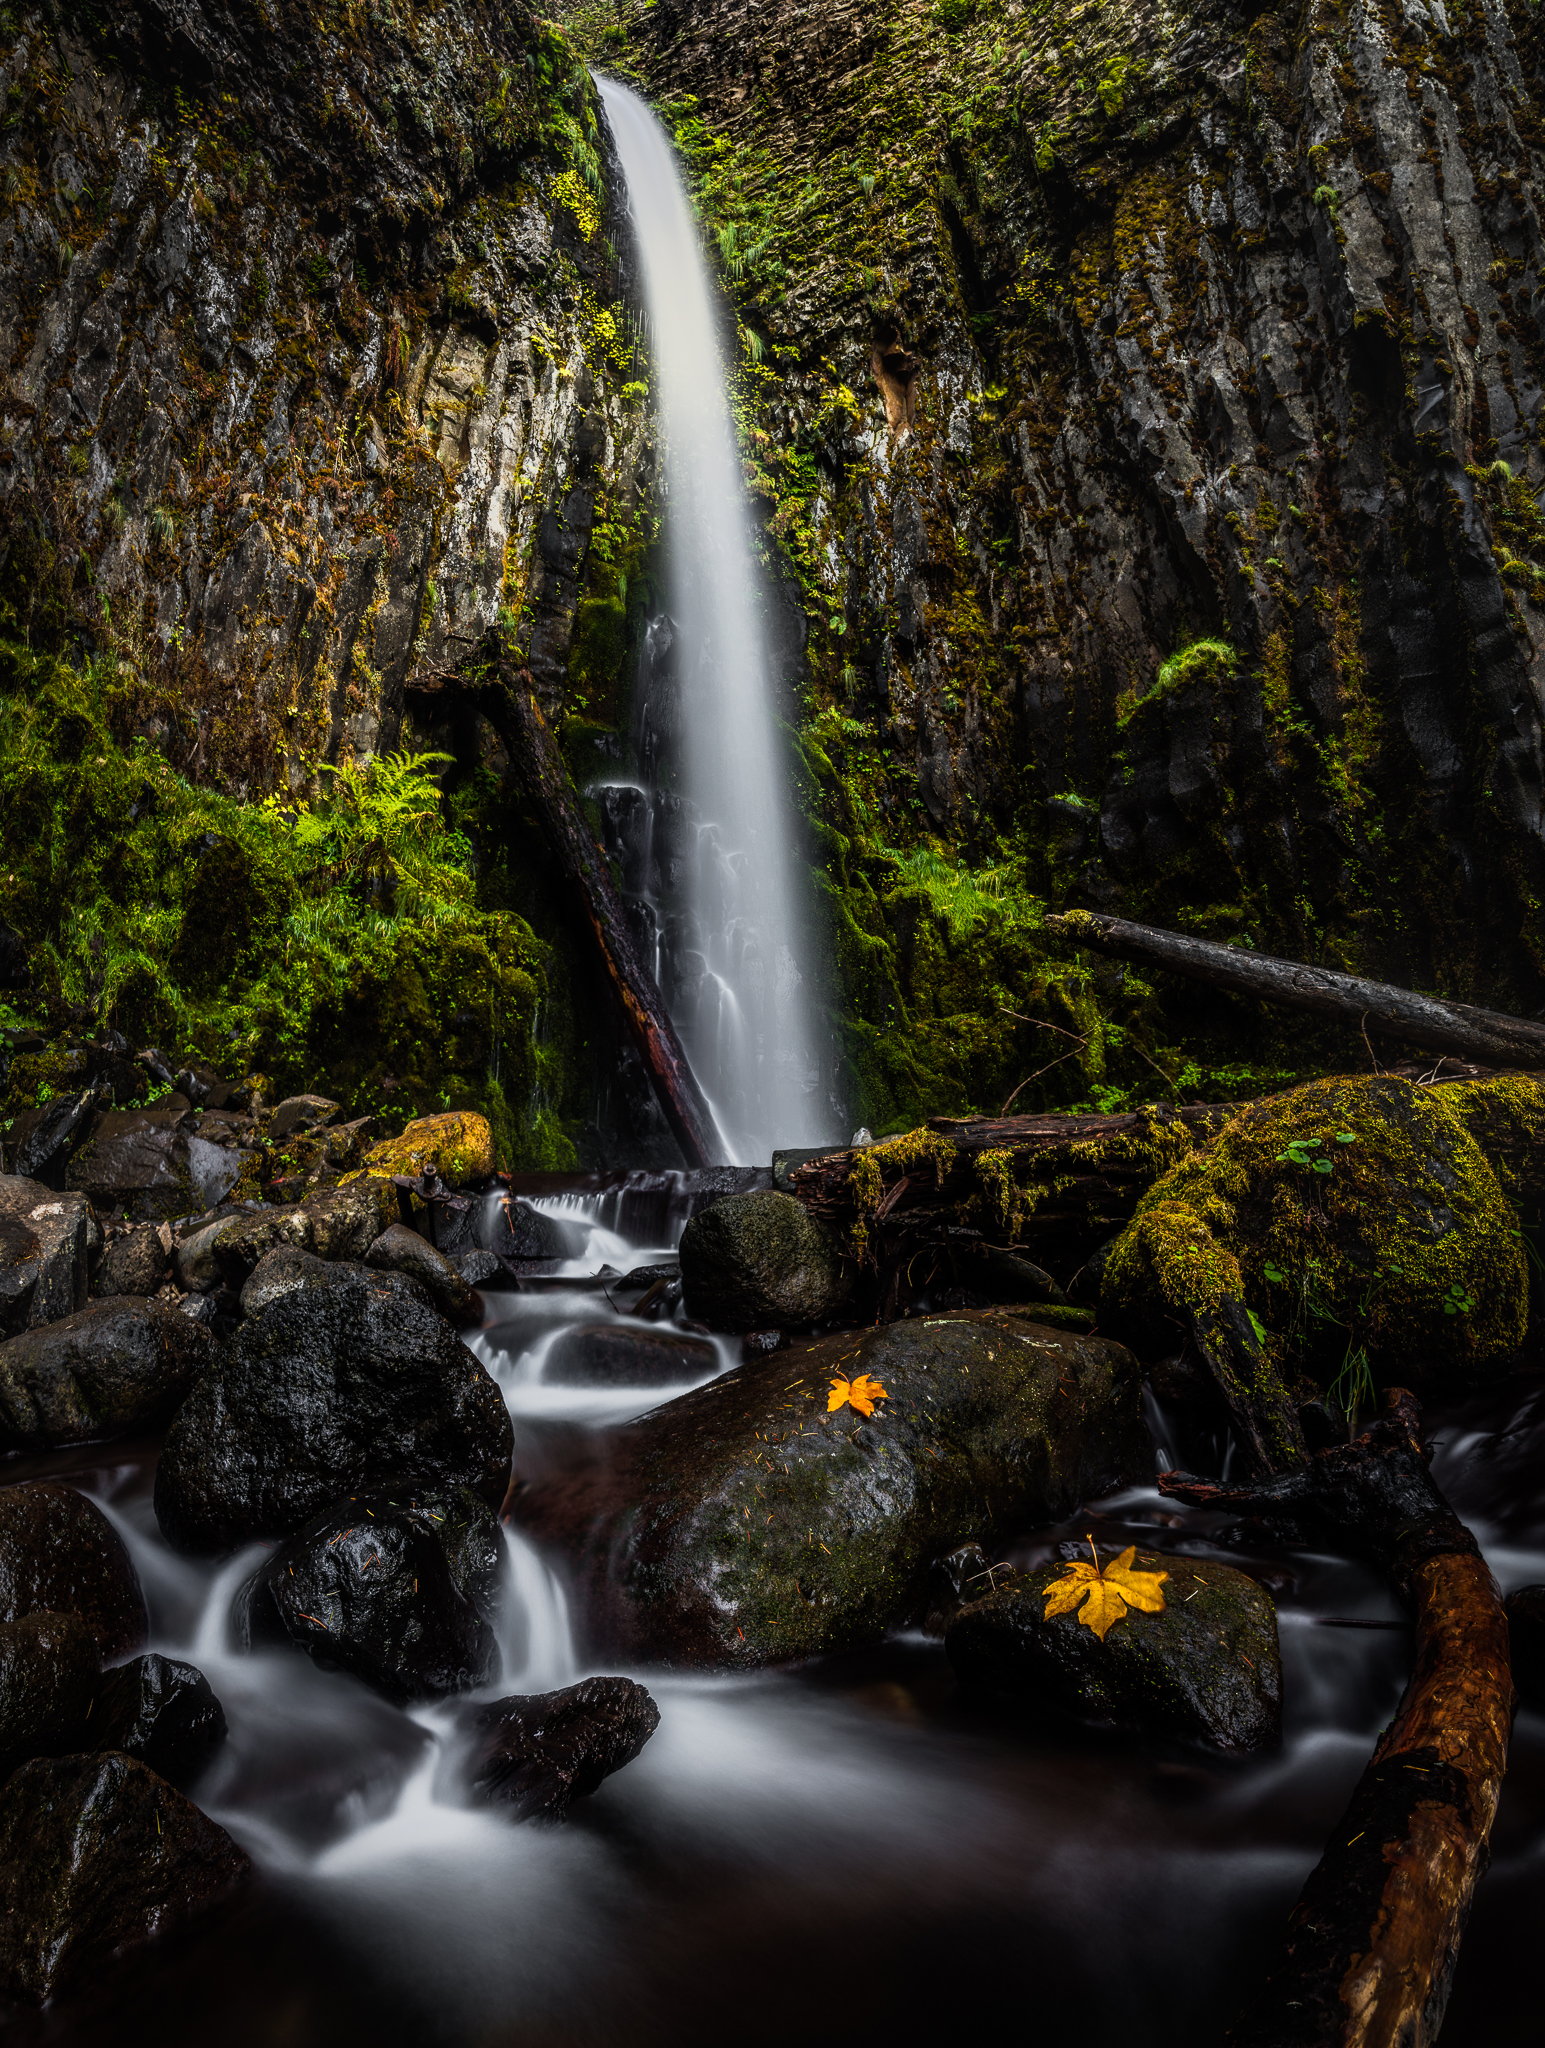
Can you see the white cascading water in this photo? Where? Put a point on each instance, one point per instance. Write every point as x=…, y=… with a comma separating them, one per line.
x=743, y=1004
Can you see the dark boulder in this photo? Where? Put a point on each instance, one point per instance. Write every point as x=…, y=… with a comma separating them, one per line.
x=1208, y=1669
x=60, y=1554
x=48, y=1676
x=401, y=1250
x=517, y=1231
x=482, y=1269
x=139, y=1262
x=223, y=1252
x=745, y=1524
x=536, y=1753
x=162, y=1711
x=152, y=1164
x=1526, y=1633
x=346, y=1220
x=347, y=1382
x=42, y=1141
x=45, y=1240
x=111, y=1367
x=98, y=1854
x=279, y=1272
x=300, y=1113
x=613, y=1355
x=752, y=1261
x=398, y=1589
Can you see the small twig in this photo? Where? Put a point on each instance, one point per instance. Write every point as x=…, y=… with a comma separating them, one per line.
x=1373, y=1058
x=1040, y=1024
x=1025, y=1083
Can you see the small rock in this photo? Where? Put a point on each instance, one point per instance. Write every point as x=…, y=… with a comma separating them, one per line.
x=399, y=1591
x=349, y=1380
x=757, y=1259
x=44, y=1253
x=479, y=1268
x=401, y=1250
x=160, y=1710
x=346, y=1221
x=758, y=1343
x=233, y=1248
x=300, y=1113
x=284, y=1271
x=111, y=1367
x=458, y=1146
x=536, y=1753
x=522, y=1232
x=1526, y=1630
x=97, y=1854
x=611, y=1355
x=1208, y=1669
x=59, y=1554
x=48, y=1675
x=137, y=1263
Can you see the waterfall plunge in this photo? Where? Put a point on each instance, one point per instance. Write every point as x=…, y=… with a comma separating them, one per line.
x=738, y=997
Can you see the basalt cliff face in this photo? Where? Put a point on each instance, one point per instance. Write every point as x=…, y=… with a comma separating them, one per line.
x=1150, y=400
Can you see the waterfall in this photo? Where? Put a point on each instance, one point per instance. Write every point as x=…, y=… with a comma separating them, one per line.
x=720, y=878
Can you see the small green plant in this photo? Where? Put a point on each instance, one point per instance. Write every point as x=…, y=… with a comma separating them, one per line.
x=954, y=15
x=1311, y=1152
x=1328, y=197
x=1458, y=1301
x=1352, y=1389
x=163, y=527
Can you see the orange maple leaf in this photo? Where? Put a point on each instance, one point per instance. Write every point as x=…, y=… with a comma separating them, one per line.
x=1105, y=1595
x=861, y=1394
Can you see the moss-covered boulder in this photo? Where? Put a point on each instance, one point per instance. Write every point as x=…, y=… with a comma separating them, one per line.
x=759, y=1261
x=1207, y=1669
x=1351, y=1220
x=746, y=1523
x=458, y=1146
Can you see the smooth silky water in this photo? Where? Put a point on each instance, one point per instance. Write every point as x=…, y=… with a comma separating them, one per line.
x=849, y=1853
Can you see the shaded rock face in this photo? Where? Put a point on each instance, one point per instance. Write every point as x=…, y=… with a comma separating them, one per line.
x=154, y=1163
x=535, y=1754
x=44, y=1240
x=1208, y=1669
x=756, y=1260
x=162, y=1711
x=48, y=1679
x=135, y=1264
x=60, y=1554
x=612, y=1355
x=346, y=1382
x=399, y=1591
x=98, y=1854
x=401, y=1250
x=113, y=1366
x=743, y=1524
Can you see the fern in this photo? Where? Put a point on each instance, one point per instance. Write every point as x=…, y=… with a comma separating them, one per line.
x=961, y=898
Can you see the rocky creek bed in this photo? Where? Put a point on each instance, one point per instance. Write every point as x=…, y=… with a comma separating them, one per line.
x=356, y=1703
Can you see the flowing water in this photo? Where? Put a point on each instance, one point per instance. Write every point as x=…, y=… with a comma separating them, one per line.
x=853, y=1853
x=705, y=846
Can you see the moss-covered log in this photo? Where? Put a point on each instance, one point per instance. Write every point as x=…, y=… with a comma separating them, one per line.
x=1372, y=1942
x=1458, y=1030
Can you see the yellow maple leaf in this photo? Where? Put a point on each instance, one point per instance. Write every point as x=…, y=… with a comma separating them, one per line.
x=861, y=1394
x=1105, y=1595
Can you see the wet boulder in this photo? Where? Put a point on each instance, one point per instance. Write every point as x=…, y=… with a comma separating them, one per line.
x=153, y=1164
x=401, y=1250
x=747, y=1523
x=109, y=1368
x=522, y=1232
x=43, y=1141
x=139, y=1262
x=347, y=1381
x=399, y=1589
x=300, y=1113
x=48, y=1679
x=60, y=1554
x=615, y=1355
x=536, y=1753
x=346, y=1220
x=99, y=1854
x=458, y=1147
x=162, y=1711
x=759, y=1260
x=1207, y=1669
x=283, y=1271
x=44, y=1244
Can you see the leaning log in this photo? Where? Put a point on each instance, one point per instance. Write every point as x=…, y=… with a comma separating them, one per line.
x=516, y=715
x=1371, y=1945
x=1455, y=1029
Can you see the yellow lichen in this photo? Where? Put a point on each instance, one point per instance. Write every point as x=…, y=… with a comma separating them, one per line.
x=459, y=1146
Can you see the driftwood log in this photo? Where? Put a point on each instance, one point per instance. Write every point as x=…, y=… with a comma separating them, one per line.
x=511, y=707
x=1455, y=1029
x=1371, y=1945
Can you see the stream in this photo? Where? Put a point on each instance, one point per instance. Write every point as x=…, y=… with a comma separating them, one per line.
x=852, y=1852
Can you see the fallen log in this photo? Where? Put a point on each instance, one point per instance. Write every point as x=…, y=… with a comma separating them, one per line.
x=1370, y=1949
x=517, y=717
x=1455, y=1029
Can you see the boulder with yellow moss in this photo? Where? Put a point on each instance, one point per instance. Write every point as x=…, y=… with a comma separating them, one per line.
x=1354, y=1229
x=459, y=1146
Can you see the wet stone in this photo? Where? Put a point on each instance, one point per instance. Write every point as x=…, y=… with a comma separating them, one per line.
x=113, y=1366
x=48, y=1677
x=136, y=1263
x=613, y=1355
x=99, y=1854
x=756, y=1261
x=162, y=1711
x=535, y=1754
x=401, y=1250
x=401, y=1591
x=1207, y=1669
x=60, y=1554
